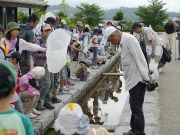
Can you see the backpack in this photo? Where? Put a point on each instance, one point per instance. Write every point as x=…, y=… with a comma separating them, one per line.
x=166, y=54
x=23, y=34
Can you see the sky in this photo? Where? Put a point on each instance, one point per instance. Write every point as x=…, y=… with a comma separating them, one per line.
x=172, y=5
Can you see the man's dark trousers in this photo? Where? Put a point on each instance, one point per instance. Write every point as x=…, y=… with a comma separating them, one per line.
x=136, y=101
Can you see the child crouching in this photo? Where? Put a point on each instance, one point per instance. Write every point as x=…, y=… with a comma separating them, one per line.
x=82, y=72
x=28, y=89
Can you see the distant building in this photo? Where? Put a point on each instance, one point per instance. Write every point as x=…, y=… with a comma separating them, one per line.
x=8, y=9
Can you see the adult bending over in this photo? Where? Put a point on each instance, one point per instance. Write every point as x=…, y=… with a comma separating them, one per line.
x=136, y=73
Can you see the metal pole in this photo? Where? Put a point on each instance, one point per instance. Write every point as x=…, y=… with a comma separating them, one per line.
x=175, y=44
x=153, y=16
x=112, y=74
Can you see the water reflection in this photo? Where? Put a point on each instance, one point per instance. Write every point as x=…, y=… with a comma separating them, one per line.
x=105, y=105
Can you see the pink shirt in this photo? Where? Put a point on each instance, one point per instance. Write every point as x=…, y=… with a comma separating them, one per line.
x=12, y=44
x=25, y=86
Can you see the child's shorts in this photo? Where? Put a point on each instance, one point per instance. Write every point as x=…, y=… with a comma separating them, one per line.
x=94, y=53
x=56, y=80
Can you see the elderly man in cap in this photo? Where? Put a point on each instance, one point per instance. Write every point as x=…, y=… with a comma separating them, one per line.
x=178, y=34
x=136, y=73
x=169, y=28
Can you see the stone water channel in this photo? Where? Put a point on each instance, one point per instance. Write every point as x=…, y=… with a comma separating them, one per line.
x=104, y=102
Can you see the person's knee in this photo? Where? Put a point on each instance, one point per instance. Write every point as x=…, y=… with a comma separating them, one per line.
x=136, y=109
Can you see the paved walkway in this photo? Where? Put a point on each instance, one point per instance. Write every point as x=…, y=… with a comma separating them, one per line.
x=169, y=98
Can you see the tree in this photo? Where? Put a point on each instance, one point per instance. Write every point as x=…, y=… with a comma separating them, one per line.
x=64, y=5
x=89, y=13
x=22, y=17
x=119, y=16
x=127, y=25
x=153, y=14
x=39, y=11
x=61, y=14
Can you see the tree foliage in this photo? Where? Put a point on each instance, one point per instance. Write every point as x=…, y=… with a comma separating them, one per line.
x=127, y=25
x=90, y=14
x=22, y=17
x=119, y=16
x=153, y=14
x=38, y=10
x=61, y=14
x=64, y=5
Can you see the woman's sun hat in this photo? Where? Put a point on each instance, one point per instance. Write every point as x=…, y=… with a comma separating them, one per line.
x=71, y=120
x=11, y=26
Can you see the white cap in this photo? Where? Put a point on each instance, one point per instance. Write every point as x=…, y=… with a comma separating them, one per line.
x=170, y=18
x=63, y=22
x=38, y=72
x=107, y=32
x=71, y=120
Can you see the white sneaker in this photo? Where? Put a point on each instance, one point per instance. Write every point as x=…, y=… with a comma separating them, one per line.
x=34, y=111
x=31, y=116
x=160, y=69
x=94, y=67
x=73, y=77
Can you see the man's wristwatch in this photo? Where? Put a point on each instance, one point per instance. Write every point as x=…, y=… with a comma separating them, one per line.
x=153, y=52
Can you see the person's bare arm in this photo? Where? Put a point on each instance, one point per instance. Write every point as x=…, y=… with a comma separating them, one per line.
x=153, y=48
x=80, y=50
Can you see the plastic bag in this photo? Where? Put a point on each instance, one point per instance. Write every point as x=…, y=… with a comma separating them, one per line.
x=153, y=67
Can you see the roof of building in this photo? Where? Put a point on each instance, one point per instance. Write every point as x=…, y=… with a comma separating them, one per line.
x=22, y=3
